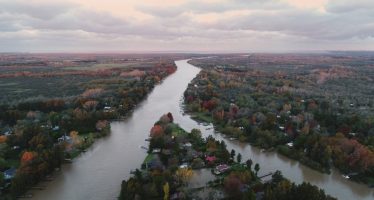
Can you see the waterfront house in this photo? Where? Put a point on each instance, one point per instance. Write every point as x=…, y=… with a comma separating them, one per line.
x=221, y=169
x=10, y=173
x=210, y=159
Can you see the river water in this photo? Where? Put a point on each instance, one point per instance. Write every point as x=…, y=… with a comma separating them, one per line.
x=97, y=173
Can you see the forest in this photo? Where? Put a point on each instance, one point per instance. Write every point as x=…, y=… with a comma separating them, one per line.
x=53, y=107
x=315, y=108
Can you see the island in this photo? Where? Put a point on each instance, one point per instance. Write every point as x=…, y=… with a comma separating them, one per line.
x=182, y=165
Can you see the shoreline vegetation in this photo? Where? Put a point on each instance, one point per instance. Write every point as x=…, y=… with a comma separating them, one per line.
x=43, y=133
x=286, y=114
x=182, y=165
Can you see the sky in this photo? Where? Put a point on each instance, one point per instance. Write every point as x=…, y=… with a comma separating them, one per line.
x=185, y=25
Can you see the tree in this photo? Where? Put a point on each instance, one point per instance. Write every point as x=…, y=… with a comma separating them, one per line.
x=257, y=168
x=27, y=157
x=1, y=179
x=239, y=158
x=183, y=175
x=138, y=175
x=170, y=116
x=93, y=93
x=3, y=164
x=40, y=142
x=157, y=131
x=76, y=138
x=232, y=154
x=101, y=124
x=232, y=186
x=249, y=163
x=90, y=105
x=165, y=119
x=277, y=177
x=166, y=191
x=195, y=134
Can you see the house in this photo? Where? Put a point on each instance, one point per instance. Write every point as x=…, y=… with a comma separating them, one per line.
x=178, y=195
x=290, y=144
x=260, y=195
x=166, y=152
x=10, y=173
x=191, y=154
x=154, y=162
x=107, y=109
x=210, y=159
x=352, y=134
x=65, y=138
x=221, y=169
x=68, y=142
x=16, y=147
x=184, y=165
x=7, y=133
x=186, y=145
x=156, y=150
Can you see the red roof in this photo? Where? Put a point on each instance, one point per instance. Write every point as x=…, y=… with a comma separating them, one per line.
x=210, y=158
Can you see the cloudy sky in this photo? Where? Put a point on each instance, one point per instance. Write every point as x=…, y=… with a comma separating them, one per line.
x=185, y=25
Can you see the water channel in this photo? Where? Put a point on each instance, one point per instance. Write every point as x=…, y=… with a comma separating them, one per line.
x=97, y=173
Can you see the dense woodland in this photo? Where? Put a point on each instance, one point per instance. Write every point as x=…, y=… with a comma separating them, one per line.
x=49, y=114
x=174, y=156
x=316, y=108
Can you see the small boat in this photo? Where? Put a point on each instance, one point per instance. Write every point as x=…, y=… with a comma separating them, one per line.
x=345, y=176
x=143, y=147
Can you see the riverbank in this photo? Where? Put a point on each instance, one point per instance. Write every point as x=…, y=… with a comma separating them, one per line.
x=268, y=120
x=175, y=155
x=282, y=149
x=61, y=130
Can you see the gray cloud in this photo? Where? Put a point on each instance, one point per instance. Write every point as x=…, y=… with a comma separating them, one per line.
x=238, y=24
x=44, y=11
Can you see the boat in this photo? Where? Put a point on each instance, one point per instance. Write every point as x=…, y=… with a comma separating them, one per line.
x=345, y=176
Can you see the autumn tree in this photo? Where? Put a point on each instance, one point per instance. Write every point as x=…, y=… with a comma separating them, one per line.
x=183, y=175
x=232, y=185
x=156, y=131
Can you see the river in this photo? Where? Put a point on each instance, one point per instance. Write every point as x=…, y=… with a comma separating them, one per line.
x=97, y=173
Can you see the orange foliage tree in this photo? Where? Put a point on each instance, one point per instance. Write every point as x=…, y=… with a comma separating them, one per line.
x=27, y=157
x=157, y=131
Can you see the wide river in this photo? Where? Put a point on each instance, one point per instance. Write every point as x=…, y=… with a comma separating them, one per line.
x=97, y=173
